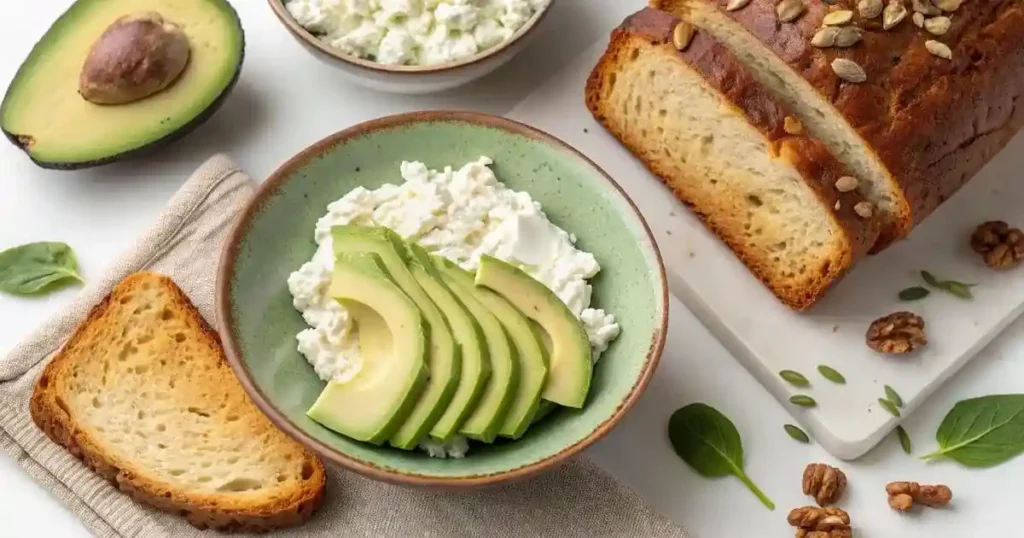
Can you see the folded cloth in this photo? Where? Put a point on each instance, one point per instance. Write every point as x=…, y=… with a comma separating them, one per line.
x=578, y=499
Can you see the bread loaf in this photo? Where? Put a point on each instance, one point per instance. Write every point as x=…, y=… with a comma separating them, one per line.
x=919, y=126
x=143, y=395
x=733, y=153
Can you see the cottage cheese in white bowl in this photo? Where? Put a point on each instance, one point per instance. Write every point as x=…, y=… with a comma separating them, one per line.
x=412, y=46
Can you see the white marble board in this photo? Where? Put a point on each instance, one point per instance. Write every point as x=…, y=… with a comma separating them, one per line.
x=766, y=336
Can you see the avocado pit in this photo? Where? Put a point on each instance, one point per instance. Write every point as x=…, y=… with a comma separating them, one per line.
x=137, y=56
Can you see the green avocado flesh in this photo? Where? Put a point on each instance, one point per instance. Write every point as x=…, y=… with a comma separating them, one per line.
x=393, y=345
x=476, y=366
x=570, y=367
x=517, y=361
x=443, y=360
x=43, y=113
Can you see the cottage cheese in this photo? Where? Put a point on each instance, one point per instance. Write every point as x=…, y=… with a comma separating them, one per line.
x=460, y=215
x=414, y=32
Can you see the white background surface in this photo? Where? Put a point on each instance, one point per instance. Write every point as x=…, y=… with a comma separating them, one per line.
x=286, y=100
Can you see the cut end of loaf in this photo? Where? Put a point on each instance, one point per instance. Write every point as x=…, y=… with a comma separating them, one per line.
x=142, y=394
x=742, y=183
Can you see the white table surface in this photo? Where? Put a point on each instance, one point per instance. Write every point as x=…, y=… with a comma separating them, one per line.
x=286, y=100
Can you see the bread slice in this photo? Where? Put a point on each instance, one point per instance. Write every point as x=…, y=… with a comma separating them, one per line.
x=919, y=127
x=143, y=394
x=718, y=139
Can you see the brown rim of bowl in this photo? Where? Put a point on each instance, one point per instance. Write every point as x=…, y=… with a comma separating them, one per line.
x=271, y=185
x=310, y=39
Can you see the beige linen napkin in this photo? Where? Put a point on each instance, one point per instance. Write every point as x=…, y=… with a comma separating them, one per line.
x=578, y=499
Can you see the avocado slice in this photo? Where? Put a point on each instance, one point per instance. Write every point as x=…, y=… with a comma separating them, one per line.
x=44, y=114
x=570, y=367
x=443, y=359
x=393, y=342
x=476, y=366
x=529, y=359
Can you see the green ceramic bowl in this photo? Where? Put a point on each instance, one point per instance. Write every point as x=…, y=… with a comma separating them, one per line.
x=274, y=237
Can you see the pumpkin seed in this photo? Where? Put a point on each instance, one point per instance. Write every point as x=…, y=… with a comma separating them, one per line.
x=736, y=5
x=918, y=19
x=826, y=37
x=904, y=439
x=869, y=9
x=864, y=209
x=938, y=48
x=893, y=396
x=849, y=70
x=794, y=378
x=796, y=433
x=914, y=294
x=792, y=125
x=682, y=35
x=890, y=407
x=803, y=401
x=925, y=7
x=838, y=18
x=948, y=6
x=938, y=25
x=848, y=36
x=846, y=184
x=893, y=14
x=831, y=374
x=790, y=10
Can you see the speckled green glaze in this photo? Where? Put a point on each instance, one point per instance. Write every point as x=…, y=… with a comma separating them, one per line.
x=276, y=237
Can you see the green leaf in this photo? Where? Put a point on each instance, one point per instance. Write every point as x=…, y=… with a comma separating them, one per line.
x=796, y=433
x=37, y=267
x=709, y=443
x=952, y=287
x=982, y=432
x=803, y=400
x=904, y=439
x=831, y=374
x=795, y=378
x=913, y=294
x=893, y=396
x=890, y=407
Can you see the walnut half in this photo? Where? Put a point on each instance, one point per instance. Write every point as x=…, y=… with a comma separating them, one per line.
x=897, y=333
x=824, y=482
x=1000, y=246
x=814, y=522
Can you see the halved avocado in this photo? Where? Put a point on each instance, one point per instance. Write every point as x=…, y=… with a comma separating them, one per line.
x=393, y=342
x=44, y=114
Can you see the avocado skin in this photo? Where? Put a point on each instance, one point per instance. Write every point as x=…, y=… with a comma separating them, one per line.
x=154, y=145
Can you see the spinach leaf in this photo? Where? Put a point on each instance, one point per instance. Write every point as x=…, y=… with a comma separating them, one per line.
x=37, y=267
x=709, y=443
x=982, y=432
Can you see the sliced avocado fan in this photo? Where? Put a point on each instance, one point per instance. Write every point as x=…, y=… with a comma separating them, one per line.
x=372, y=405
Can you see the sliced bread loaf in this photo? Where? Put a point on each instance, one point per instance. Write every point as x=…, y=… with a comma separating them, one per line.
x=143, y=394
x=919, y=125
x=719, y=140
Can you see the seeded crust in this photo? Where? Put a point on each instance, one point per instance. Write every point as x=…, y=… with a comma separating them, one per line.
x=642, y=38
x=933, y=123
x=149, y=313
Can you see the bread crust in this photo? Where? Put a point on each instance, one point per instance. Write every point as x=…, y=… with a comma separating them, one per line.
x=933, y=123
x=724, y=73
x=223, y=512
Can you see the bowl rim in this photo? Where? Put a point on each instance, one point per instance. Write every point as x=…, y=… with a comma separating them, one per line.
x=307, y=37
x=268, y=188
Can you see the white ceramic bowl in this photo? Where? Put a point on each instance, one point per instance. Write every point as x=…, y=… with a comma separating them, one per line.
x=411, y=79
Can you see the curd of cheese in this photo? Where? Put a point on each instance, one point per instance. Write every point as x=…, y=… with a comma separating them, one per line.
x=460, y=215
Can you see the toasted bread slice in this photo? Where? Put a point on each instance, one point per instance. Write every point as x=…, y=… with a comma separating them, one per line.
x=143, y=394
